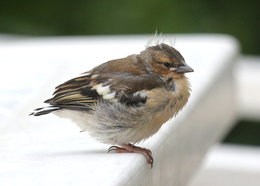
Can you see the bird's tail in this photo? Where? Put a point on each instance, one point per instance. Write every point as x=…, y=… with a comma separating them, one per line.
x=44, y=110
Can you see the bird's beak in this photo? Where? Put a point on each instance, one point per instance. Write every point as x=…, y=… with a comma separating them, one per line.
x=183, y=69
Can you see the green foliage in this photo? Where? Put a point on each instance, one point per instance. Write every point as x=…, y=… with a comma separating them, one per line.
x=245, y=132
x=93, y=17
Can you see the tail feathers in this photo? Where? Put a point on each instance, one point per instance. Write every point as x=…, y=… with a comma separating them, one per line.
x=44, y=110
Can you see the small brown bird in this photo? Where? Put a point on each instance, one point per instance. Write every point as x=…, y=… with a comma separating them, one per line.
x=124, y=101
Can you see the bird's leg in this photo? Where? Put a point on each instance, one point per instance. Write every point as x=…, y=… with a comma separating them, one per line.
x=130, y=148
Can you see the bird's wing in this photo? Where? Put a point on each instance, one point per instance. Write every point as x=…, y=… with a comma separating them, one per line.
x=71, y=94
x=82, y=92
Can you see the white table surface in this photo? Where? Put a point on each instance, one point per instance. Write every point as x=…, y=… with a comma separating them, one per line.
x=48, y=150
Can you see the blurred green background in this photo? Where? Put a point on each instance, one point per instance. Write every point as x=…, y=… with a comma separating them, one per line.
x=89, y=17
x=239, y=18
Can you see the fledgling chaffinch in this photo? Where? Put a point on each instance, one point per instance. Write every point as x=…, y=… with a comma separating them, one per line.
x=124, y=101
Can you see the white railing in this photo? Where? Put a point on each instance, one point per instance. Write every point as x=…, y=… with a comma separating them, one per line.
x=235, y=164
x=50, y=151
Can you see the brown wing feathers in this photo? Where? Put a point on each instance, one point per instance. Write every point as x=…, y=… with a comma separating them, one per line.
x=74, y=93
x=80, y=93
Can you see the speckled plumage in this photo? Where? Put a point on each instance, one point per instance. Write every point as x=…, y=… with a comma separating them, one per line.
x=125, y=101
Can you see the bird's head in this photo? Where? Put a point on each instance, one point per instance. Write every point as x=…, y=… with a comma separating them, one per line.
x=165, y=61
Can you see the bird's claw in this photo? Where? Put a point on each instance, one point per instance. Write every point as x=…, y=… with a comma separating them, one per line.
x=130, y=148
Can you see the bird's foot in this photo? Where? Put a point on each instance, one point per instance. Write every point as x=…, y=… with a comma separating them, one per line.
x=130, y=148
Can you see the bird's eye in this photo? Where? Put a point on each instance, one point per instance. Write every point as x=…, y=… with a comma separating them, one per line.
x=166, y=64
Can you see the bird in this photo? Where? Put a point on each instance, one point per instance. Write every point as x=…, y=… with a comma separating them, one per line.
x=125, y=101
